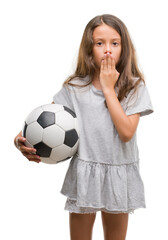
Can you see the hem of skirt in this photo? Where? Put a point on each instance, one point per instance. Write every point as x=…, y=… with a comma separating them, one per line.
x=92, y=209
x=97, y=210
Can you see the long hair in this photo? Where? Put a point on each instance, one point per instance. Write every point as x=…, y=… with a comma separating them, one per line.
x=127, y=65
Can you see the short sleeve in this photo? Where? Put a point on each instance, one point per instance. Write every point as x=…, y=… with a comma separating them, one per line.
x=63, y=97
x=139, y=102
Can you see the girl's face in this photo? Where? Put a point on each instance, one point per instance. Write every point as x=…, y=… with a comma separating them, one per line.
x=106, y=40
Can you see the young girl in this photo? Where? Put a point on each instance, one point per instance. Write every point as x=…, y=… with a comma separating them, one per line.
x=108, y=94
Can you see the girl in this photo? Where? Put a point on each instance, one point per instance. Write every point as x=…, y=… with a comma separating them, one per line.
x=108, y=94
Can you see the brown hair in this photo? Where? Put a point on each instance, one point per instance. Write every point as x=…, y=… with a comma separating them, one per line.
x=127, y=65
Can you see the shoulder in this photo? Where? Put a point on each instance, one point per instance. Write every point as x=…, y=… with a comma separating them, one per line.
x=80, y=80
x=139, y=100
x=138, y=82
x=135, y=92
x=78, y=84
x=138, y=85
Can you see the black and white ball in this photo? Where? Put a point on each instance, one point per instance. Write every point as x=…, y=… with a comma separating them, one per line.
x=52, y=129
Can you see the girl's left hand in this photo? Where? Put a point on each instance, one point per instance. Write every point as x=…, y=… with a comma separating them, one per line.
x=108, y=73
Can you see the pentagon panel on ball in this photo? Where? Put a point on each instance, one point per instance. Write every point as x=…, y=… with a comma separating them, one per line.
x=53, y=130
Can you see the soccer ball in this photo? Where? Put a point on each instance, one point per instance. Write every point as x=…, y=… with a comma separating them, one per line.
x=52, y=129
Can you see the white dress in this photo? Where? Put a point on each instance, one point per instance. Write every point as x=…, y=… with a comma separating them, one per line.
x=104, y=173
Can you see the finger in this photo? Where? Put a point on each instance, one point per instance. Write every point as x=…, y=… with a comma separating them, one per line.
x=32, y=157
x=109, y=63
x=112, y=63
x=34, y=160
x=23, y=148
x=105, y=61
x=26, y=154
x=20, y=140
x=102, y=65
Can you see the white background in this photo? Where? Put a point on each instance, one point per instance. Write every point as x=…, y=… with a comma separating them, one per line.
x=39, y=42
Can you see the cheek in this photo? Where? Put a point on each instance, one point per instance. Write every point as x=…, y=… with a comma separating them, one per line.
x=97, y=57
x=117, y=56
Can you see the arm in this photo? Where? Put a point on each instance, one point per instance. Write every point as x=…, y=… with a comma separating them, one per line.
x=29, y=153
x=125, y=125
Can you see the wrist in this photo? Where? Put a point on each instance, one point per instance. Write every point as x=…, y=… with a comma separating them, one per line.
x=109, y=91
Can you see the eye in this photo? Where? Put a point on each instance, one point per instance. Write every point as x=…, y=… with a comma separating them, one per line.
x=99, y=43
x=115, y=43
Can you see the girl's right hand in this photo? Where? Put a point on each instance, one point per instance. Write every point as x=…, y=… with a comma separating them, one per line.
x=29, y=153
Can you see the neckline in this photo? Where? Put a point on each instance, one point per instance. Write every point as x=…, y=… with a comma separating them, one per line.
x=96, y=91
x=93, y=88
x=99, y=90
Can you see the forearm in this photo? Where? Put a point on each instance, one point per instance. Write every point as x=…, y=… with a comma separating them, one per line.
x=122, y=122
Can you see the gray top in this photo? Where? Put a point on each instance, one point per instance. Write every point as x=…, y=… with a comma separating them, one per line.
x=105, y=171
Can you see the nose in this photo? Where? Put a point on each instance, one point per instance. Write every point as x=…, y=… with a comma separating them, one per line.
x=107, y=49
x=107, y=52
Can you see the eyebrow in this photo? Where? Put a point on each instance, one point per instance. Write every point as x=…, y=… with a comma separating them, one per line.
x=111, y=39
